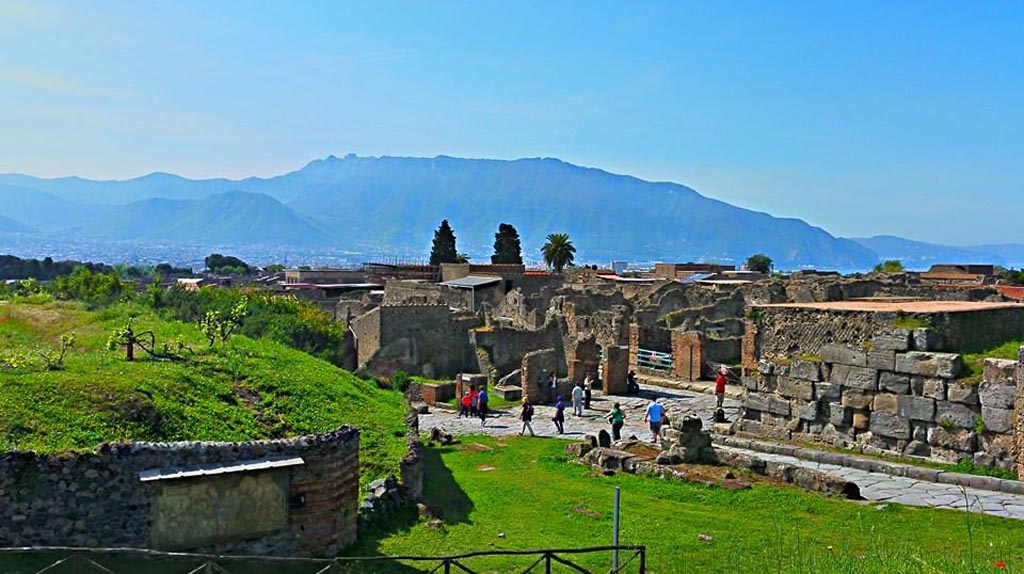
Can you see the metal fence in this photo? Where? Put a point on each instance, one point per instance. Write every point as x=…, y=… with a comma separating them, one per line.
x=654, y=360
x=593, y=560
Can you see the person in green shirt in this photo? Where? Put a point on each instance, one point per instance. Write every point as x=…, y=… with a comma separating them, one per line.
x=618, y=418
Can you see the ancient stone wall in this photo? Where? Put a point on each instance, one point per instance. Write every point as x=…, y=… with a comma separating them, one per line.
x=891, y=395
x=427, y=340
x=506, y=347
x=98, y=500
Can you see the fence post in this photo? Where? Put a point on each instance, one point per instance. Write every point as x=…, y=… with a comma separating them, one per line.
x=447, y=566
x=547, y=563
x=643, y=560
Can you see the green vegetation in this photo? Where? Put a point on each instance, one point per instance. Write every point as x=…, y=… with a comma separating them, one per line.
x=526, y=489
x=227, y=264
x=909, y=323
x=759, y=262
x=443, y=249
x=558, y=251
x=974, y=363
x=507, y=248
x=890, y=266
x=964, y=466
x=242, y=389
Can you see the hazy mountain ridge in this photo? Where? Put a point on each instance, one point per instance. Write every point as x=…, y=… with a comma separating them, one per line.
x=393, y=204
x=920, y=255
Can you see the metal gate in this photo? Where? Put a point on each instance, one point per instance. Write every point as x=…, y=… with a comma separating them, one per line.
x=654, y=360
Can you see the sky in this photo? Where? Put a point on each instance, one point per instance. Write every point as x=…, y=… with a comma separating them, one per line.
x=862, y=117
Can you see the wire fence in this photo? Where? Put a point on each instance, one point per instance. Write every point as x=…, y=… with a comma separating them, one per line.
x=592, y=560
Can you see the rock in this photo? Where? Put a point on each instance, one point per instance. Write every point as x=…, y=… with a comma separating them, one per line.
x=591, y=440
x=805, y=371
x=918, y=448
x=891, y=382
x=861, y=420
x=934, y=389
x=917, y=408
x=884, y=403
x=767, y=403
x=957, y=414
x=960, y=440
x=890, y=425
x=944, y=365
x=925, y=340
x=806, y=410
x=1000, y=371
x=604, y=439
x=962, y=393
x=855, y=377
x=795, y=389
x=840, y=355
x=996, y=394
x=997, y=420
x=827, y=392
x=857, y=399
x=610, y=459
x=766, y=368
x=892, y=340
x=882, y=359
x=838, y=415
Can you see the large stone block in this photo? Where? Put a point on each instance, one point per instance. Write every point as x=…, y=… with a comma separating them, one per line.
x=957, y=414
x=934, y=389
x=767, y=403
x=856, y=377
x=840, y=355
x=827, y=392
x=945, y=365
x=997, y=395
x=805, y=410
x=882, y=359
x=926, y=340
x=960, y=440
x=857, y=398
x=892, y=340
x=838, y=415
x=890, y=425
x=1000, y=371
x=884, y=403
x=795, y=389
x=861, y=420
x=997, y=420
x=963, y=393
x=891, y=382
x=806, y=371
x=917, y=408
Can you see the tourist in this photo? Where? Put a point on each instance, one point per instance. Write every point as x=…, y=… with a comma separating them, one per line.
x=473, y=396
x=559, y=417
x=632, y=387
x=577, y=400
x=526, y=415
x=588, y=385
x=720, y=385
x=481, y=404
x=464, y=404
x=553, y=380
x=617, y=417
x=654, y=416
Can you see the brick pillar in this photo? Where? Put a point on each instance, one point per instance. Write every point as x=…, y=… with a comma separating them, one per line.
x=615, y=369
x=749, y=352
x=687, y=355
x=635, y=338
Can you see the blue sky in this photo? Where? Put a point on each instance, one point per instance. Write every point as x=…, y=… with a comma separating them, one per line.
x=860, y=117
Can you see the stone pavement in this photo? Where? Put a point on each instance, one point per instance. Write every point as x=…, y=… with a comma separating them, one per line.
x=874, y=486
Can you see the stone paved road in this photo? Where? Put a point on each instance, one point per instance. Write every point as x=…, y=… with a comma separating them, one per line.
x=874, y=486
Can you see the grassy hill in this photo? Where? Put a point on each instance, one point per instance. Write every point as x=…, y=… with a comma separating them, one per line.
x=243, y=390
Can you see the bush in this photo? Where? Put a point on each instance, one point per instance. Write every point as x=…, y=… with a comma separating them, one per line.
x=400, y=381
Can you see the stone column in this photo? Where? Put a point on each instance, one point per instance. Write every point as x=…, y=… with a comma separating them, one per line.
x=615, y=369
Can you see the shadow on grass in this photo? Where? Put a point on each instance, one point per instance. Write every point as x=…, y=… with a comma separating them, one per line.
x=441, y=493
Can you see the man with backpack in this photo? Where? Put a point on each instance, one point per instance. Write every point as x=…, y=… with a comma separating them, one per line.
x=526, y=414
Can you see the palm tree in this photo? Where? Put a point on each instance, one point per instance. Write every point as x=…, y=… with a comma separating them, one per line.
x=558, y=251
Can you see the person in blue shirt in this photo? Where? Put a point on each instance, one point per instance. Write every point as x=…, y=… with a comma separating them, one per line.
x=481, y=404
x=559, y=417
x=655, y=415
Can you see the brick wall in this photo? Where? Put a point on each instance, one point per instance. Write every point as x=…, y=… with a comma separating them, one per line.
x=97, y=500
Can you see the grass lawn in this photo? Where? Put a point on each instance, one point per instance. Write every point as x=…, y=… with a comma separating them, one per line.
x=243, y=390
x=527, y=489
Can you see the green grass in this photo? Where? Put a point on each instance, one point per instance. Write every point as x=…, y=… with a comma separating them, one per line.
x=527, y=489
x=909, y=323
x=494, y=401
x=974, y=363
x=243, y=390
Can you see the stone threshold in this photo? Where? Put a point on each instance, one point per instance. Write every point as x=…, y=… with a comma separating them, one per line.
x=704, y=387
x=871, y=465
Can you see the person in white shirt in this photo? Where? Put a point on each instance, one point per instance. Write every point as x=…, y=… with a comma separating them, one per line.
x=577, y=400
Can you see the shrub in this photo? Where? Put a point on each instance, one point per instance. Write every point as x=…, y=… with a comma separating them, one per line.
x=400, y=381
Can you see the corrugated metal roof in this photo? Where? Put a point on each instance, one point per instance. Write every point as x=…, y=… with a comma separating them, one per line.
x=471, y=282
x=696, y=277
x=217, y=468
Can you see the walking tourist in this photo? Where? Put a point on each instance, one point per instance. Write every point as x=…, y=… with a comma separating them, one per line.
x=553, y=381
x=481, y=404
x=654, y=416
x=464, y=403
x=617, y=417
x=473, y=396
x=559, y=417
x=526, y=415
x=577, y=399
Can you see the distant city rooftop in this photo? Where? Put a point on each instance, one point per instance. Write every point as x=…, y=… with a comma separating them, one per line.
x=905, y=305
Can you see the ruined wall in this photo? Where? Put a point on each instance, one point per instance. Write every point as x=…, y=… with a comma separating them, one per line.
x=892, y=395
x=366, y=332
x=97, y=500
x=506, y=347
x=425, y=340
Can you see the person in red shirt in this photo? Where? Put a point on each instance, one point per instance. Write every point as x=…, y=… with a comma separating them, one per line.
x=720, y=386
x=464, y=402
x=473, y=393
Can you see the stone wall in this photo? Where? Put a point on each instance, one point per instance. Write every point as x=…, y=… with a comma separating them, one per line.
x=506, y=347
x=98, y=500
x=891, y=395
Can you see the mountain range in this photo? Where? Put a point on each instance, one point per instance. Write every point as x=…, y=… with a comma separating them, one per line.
x=391, y=205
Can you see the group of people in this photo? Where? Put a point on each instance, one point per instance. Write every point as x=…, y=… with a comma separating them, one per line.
x=474, y=403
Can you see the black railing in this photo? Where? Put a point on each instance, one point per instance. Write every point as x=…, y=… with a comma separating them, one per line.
x=55, y=560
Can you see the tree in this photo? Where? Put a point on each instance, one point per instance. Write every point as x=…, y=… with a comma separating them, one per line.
x=759, y=262
x=507, y=248
x=443, y=249
x=217, y=263
x=890, y=266
x=558, y=251
x=146, y=340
